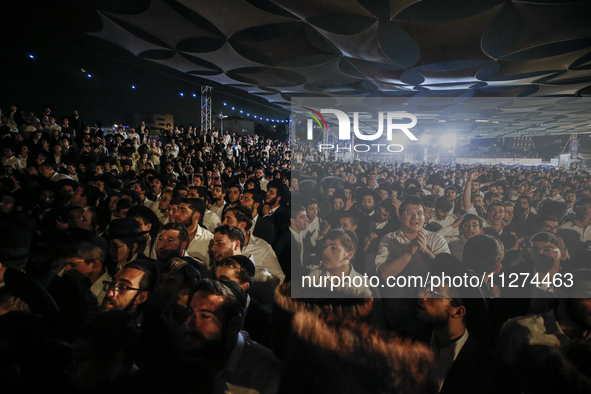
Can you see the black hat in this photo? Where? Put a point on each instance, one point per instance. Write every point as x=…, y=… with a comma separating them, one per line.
x=30, y=291
x=583, y=200
x=68, y=182
x=147, y=212
x=245, y=263
x=236, y=289
x=335, y=182
x=131, y=175
x=124, y=229
x=15, y=241
x=360, y=193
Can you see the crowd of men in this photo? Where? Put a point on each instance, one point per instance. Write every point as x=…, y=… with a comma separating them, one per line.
x=172, y=262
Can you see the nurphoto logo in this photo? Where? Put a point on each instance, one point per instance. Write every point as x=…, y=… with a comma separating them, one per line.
x=344, y=122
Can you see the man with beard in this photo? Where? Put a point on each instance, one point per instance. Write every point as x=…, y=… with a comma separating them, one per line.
x=369, y=200
x=172, y=242
x=190, y=213
x=262, y=227
x=274, y=207
x=217, y=196
x=463, y=364
x=228, y=241
x=523, y=214
x=130, y=288
x=213, y=338
x=532, y=338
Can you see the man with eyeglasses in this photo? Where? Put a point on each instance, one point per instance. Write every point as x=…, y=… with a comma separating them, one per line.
x=463, y=364
x=130, y=288
x=546, y=223
x=411, y=249
x=469, y=225
x=576, y=232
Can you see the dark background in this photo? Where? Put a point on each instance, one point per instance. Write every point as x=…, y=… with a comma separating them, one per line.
x=54, y=33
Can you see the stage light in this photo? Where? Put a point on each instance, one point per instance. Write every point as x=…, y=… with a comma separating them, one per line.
x=240, y=111
x=448, y=140
x=32, y=57
x=255, y=116
x=133, y=86
x=247, y=114
x=232, y=108
x=194, y=94
x=182, y=94
x=89, y=76
x=224, y=104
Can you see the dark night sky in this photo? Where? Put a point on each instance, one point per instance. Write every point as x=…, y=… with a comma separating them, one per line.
x=55, y=36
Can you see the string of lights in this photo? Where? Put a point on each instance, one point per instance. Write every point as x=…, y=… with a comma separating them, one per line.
x=195, y=95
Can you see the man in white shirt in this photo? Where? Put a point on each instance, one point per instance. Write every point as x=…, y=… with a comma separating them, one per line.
x=411, y=249
x=442, y=213
x=190, y=213
x=86, y=262
x=217, y=197
x=261, y=251
x=470, y=225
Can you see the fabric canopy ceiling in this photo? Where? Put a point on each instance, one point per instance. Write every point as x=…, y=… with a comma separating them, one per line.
x=279, y=49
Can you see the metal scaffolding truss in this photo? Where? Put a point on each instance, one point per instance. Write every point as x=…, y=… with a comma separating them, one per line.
x=292, y=129
x=206, y=123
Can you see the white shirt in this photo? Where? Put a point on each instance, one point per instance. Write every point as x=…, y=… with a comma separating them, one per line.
x=199, y=246
x=97, y=287
x=445, y=357
x=211, y=220
x=217, y=210
x=313, y=228
x=264, y=255
x=394, y=244
x=300, y=242
x=448, y=221
x=21, y=162
x=345, y=287
x=10, y=161
x=574, y=235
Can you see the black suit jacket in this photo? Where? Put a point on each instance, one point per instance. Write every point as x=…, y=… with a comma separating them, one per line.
x=286, y=255
x=280, y=217
x=265, y=229
x=474, y=371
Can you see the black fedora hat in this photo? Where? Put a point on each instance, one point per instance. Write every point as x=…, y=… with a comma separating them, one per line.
x=30, y=291
x=15, y=241
x=124, y=229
